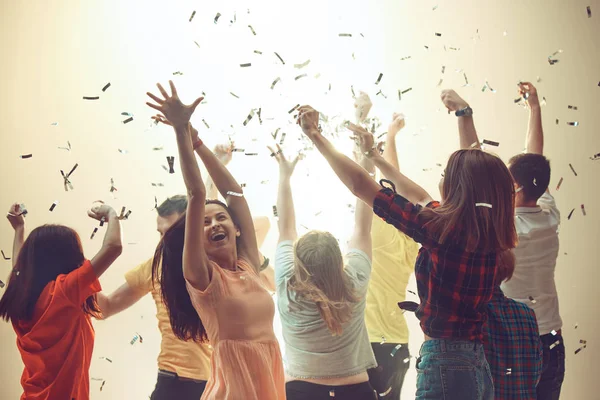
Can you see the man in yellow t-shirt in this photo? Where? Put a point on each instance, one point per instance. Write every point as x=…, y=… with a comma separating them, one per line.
x=394, y=256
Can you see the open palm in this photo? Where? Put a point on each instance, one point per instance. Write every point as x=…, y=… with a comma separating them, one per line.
x=286, y=167
x=171, y=107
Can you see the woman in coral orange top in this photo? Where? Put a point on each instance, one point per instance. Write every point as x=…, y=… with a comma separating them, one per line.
x=49, y=300
x=212, y=252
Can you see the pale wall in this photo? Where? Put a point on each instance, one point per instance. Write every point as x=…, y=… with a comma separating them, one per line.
x=53, y=53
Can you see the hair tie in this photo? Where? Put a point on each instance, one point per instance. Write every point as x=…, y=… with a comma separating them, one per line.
x=483, y=205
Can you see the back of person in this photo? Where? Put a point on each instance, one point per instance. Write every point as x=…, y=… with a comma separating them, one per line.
x=56, y=345
x=312, y=352
x=533, y=280
x=512, y=348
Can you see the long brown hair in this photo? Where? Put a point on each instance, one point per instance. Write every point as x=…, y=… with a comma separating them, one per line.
x=48, y=251
x=319, y=277
x=474, y=176
x=167, y=269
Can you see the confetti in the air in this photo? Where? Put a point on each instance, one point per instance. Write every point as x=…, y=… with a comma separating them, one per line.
x=589, y=11
x=4, y=255
x=275, y=82
x=572, y=169
x=572, y=108
x=91, y=97
x=252, y=29
x=230, y=193
x=249, y=117
x=217, y=17
x=570, y=214
x=280, y=59
x=245, y=65
x=106, y=87
x=128, y=120
x=559, y=183
x=438, y=34
x=25, y=156
x=53, y=206
x=508, y=371
x=171, y=161
x=486, y=205
x=67, y=182
x=300, y=76
x=395, y=350
x=2, y=285
x=192, y=16
x=595, y=157
x=553, y=345
x=574, y=123
x=583, y=210
x=491, y=143
x=206, y=123
x=379, y=78
x=345, y=35
x=94, y=233
x=178, y=73
x=304, y=64
x=275, y=214
x=532, y=300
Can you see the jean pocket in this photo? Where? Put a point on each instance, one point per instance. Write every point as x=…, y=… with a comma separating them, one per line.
x=460, y=382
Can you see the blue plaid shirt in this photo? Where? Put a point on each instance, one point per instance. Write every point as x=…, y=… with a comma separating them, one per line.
x=513, y=348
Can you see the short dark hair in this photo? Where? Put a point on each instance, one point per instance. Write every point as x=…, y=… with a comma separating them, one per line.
x=531, y=172
x=172, y=205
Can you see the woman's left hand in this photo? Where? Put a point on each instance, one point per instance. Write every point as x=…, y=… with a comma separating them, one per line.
x=171, y=107
x=365, y=139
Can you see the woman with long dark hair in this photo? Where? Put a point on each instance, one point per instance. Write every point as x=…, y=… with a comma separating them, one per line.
x=212, y=252
x=462, y=238
x=50, y=298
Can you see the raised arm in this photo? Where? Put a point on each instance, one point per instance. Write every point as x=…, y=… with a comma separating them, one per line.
x=404, y=186
x=285, y=201
x=17, y=221
x=224, y=154
x=363, y=217
x=391, y=153
x=196, y=268
x=226, y=184
x=111, y=246
x=535, y=133
x=351, y=174
x=466, y=126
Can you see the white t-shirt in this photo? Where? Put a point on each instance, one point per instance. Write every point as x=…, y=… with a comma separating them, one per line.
x=536, y=255
x=311, y=351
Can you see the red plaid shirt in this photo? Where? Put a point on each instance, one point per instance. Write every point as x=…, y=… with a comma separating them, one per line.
x=454, y=285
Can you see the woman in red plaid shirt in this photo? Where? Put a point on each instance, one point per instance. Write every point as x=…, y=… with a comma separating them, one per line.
x=461, y=238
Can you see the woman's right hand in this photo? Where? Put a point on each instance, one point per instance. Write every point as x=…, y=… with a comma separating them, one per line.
x=365, y=139
x=101, y=211
x=15, y=217
x=171, y=107
x=286, y=167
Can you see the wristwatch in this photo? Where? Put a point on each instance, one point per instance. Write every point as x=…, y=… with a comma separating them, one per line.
x=465, y=112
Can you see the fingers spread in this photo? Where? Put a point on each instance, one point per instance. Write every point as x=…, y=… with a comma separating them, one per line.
x=162, y=91
x=173, y=90
x=155, y=98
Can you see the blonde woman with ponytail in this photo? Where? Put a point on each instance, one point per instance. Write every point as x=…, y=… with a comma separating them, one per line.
x=321, y=300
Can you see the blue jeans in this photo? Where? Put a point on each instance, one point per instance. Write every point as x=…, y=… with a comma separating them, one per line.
x=554, y=367
x=453, y=370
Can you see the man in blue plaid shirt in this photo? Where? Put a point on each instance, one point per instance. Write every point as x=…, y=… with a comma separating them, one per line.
x=512, y=345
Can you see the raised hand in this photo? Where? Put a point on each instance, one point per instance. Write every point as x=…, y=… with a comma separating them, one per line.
x=15, y=216
x=286, y=167
x=362, y=105
x=101, y=211
x=308, y=119
x=365, y=139
x=529, y=93
x=396, y=125
x=224, y=152
x=453, y=101
x=171, y=107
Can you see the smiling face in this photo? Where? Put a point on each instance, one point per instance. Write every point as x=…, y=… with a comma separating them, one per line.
x=219, y=230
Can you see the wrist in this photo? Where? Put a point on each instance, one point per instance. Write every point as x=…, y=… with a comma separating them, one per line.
x=535, y=106
x=196, y=142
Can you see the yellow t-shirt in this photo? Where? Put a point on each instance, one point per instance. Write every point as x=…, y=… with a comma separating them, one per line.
x=394, y=256
x=186, y=359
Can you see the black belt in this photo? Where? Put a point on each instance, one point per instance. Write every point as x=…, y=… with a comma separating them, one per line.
x=175, y=376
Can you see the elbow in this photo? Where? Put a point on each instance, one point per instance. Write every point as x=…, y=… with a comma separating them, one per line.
x=114, y=249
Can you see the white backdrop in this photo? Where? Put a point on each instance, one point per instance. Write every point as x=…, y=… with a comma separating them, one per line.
x=56, y=52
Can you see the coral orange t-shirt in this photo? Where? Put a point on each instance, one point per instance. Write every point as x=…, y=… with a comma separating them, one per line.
x=56, y=344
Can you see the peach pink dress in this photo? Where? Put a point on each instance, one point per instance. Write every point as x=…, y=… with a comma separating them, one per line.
x=237, y=312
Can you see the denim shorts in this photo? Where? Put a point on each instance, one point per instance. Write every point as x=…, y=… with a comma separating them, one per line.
x=453, y=370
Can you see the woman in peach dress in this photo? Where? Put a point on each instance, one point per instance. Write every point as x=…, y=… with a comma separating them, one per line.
x=212, y=252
